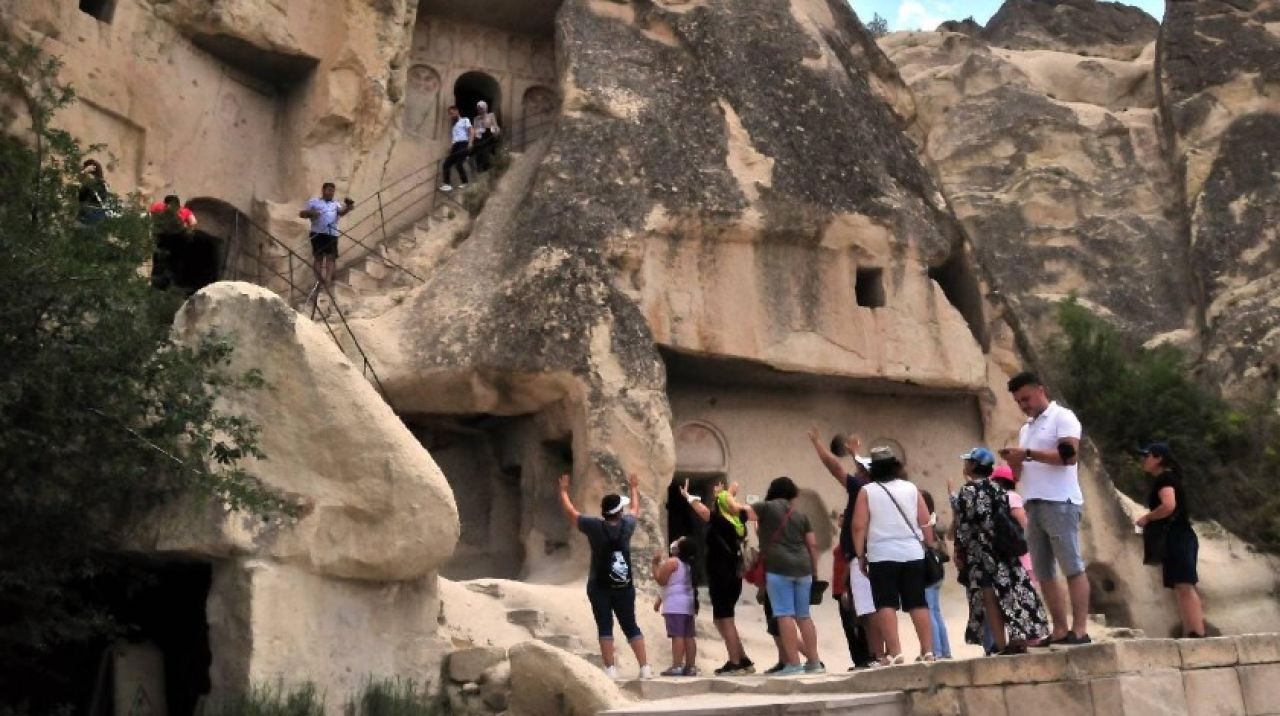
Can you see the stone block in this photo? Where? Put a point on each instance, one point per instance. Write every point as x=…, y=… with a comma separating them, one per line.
x=1260, y=687
x=1154, y=693
x=935, y=702
x=908, y=677
x=1258, y=648
x=1213, y=692
x=531, y=619
x=1062, y=698
x=1025, y=669
x=951, y=673
x=670, y=688
x=495, y=686
x=984, y=700
x=1123, y=657
x=468, y=664
x=1208, y=653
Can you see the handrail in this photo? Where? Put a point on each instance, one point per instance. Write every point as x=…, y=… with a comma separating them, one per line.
x=519, y=138
x=367, y=365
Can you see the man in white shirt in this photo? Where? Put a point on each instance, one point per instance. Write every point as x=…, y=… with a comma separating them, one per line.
x=462, y=136
x=1045, y=464
x=323, y=211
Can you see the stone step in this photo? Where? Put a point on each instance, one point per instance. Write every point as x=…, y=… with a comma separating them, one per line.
x=531, y=619
x=361, y=281
x=876, y=704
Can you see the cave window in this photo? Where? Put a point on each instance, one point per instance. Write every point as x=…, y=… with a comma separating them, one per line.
x=101, y=10
x=869, y=287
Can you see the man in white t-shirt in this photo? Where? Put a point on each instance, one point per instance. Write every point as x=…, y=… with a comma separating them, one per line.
x=1045, y=464
x=462, y=136
x=324, y=211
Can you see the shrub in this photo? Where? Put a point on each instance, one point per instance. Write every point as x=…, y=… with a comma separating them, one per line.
x=1128, y=396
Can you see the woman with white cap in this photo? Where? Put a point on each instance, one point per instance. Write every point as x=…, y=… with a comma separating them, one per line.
x=611, y=587
x=487, y=135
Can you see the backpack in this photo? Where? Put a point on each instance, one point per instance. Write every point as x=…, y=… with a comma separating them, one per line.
x=1009, y=543
x=613, y=565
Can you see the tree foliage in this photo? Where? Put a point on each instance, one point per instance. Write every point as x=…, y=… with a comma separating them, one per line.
x=878, y=27
x=1128, y=396
x=102, y=416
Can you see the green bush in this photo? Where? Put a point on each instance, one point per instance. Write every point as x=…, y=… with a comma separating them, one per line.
x=395, y=697
x=1128, y=396
x=273, y=700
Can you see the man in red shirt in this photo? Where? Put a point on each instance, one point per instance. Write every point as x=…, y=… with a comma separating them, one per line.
x=171, y=224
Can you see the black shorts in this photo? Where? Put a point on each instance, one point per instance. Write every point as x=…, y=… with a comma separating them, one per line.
x=725, y=590
x=324, y=245
x=1181, y=552
x=898, y=585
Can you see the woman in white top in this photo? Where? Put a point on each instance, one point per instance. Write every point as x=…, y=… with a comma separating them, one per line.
x=890, y=523
x=487, y=133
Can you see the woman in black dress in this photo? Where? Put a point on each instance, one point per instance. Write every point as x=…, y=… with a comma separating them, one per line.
x=1169, y=539
x=999, y=589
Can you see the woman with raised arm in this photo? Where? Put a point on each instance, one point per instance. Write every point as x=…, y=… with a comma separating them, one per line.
x=611, y=587
x=726, y=534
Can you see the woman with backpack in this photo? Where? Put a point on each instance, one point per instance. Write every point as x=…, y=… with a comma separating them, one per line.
x=1168, y=538
x=726, y=535
x=989, y=544
x=611, y=588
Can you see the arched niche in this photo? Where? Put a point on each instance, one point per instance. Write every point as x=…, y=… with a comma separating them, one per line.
x=701, y=450
x=422, y=114
x=472, y=87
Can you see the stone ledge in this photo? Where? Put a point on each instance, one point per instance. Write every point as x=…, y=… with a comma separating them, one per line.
x=1258, y=648
x=1029, y=668
x=1208, y=653
x=1123, y=657
x=1213, y=692
x=1260, y=689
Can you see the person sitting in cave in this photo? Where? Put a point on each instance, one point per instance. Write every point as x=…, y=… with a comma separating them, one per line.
x=611, y=588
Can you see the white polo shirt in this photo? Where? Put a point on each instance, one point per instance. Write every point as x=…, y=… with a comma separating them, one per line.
x=1042, y=481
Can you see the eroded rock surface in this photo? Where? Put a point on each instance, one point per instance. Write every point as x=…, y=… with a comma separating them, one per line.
x=1085, y=27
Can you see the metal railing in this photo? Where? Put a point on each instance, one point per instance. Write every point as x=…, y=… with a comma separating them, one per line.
x=265, y=272
x=382, y=214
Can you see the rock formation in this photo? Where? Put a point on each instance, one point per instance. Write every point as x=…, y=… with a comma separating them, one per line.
x=1087, y=27
x=378, y=520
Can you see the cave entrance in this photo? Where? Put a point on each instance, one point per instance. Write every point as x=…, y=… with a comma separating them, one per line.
x=218, y=244
x=504, y=473
x=473, y=87
x=960, y=285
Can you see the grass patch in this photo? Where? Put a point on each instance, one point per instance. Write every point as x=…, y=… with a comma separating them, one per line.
x=396, y=697
x=273, y=700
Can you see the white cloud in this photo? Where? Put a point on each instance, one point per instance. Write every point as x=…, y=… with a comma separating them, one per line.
x=918, y=15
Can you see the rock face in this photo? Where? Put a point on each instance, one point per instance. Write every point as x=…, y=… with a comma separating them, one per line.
x=1053, y=163
x=1086, y=27
x=1219, y=72
x=379, y=518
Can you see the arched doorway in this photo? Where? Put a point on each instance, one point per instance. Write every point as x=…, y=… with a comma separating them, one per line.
x=216, y=244
x=473, y=87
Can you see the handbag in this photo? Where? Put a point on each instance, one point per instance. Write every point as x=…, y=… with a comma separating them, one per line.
x=755, y=573
x=1008, y=540
x=934, y=572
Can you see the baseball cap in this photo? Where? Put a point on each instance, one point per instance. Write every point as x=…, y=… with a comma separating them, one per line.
x=865, y=462
x=1158, y=449
x=1003, y=472
x=613, y=504
x=980, y=455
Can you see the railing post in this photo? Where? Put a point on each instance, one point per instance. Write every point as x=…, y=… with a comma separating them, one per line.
x=382, y=217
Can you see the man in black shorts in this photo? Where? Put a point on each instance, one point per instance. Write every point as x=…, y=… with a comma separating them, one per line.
x=323, y=211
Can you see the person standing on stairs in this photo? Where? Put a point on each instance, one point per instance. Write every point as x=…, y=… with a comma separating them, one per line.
x=324, y=211
x=463, y=137
x=611, y=588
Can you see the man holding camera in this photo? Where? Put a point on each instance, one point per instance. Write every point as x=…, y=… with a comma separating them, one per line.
x=1045, y=465
x=323, y=211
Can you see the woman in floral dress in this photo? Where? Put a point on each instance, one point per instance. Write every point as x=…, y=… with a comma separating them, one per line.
x=1000, y=592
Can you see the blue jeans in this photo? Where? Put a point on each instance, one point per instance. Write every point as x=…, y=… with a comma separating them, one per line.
x=789, y=596
x=941, y=644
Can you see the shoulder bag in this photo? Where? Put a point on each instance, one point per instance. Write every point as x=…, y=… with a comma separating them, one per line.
x=755, y=573
x=934, y=572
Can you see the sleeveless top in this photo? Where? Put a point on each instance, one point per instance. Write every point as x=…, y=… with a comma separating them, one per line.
x=677, y=595
x=890, y=538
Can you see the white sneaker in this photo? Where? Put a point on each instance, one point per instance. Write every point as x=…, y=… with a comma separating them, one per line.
x=446, y=188
x=464, y=185
x=611, y=672
x=646, y=672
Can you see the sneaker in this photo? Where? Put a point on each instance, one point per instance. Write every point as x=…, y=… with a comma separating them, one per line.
x=775, y=668
x=692, y=671
x=464, y=185
x=789, y=670
x=673, y=671
x=815, y=667
x=646, y=672
x=611, y=672
x=746, y=666
x=1072, y=640
x=729, y=669
x=446, y=188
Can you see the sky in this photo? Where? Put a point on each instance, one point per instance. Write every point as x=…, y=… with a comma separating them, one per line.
x=928, y=14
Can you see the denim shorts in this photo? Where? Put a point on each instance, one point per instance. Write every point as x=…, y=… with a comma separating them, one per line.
x=1053, y=538
x=789, y=596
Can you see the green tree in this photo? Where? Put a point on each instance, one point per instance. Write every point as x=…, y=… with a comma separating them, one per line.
x=102, y=416
x=878, y=27
x=1128, y=396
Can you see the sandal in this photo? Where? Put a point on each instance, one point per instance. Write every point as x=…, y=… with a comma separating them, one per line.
x=887, y=660
x=926, y=658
